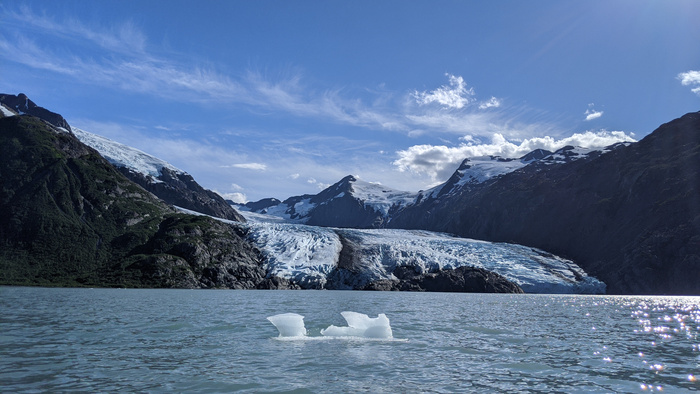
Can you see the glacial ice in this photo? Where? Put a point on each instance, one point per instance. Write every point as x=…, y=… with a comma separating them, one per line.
x=291, y=325
x=361, y=325
x=309, y=256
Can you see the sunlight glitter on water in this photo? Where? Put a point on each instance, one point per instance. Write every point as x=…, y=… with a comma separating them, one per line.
x=104, y=340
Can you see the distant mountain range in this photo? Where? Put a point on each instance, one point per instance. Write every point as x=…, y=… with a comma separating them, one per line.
x=628, y=214
x=354, y=203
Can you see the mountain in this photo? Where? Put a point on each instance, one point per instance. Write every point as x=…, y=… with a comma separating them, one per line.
x=159, y=177
x=71, y=219
x=351, y=202
x=628, y=214
x=630, y=217
x=354, y=203
x=21, y=104
x=480, y=172
x=171, y=184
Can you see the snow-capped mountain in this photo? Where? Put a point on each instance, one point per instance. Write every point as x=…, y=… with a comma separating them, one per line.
x=335, y=258
x=159, y=177
x=355, y=203
x=351, y=202
x=629, y=214
x=121, y=155
x=21, y=104
x=167, y=182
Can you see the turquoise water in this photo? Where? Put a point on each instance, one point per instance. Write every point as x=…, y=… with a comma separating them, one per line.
x=220, y=341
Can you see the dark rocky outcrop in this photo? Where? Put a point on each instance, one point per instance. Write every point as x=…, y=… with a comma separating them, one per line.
x=630, y=217
x=180, y=189
x=187, y=252
x=175, y=188
x=352, y=273
x=23, y=105
x=261, y=205
x=458, y=280
x=70, y=219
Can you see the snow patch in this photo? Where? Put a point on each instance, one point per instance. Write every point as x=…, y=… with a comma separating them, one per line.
x=122, y=155
x=6, y=112
x=380, y=198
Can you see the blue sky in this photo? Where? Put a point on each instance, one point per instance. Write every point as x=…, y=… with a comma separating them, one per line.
x=279, y=98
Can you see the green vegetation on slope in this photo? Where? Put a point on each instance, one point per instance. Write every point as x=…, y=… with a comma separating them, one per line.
x=70, y=219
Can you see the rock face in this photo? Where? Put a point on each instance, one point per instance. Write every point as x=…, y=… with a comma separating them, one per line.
x=630, y=217
x=260, y=206
x=172, y=186
x=196, y=252
x=70, y=219
x=180, y=189
x=23, y=105
x=458, y=280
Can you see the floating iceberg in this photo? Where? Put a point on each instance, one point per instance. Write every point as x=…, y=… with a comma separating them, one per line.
x=291, y=325
x=361, y=325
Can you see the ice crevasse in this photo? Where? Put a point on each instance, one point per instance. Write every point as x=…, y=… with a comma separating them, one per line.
x=310, y=257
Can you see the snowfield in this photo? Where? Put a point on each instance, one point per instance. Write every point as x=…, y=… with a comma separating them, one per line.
x=380, y=198
x=310, y=255
x=121, y=155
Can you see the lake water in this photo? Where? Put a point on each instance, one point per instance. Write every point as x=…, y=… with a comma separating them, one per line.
x=220, y=341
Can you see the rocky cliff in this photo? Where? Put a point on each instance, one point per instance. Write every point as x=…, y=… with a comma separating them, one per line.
x=70, y=219
x=173, y=186
x=630, y=217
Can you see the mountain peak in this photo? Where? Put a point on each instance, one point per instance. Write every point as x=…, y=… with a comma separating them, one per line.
x=21, y=104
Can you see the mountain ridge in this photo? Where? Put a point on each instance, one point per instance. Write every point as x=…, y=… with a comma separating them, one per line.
x=629, y=214
x=71, y=219
x=174, y=186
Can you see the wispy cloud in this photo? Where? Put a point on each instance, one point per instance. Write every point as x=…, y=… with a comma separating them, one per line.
x=126, y=62
x=591, y=113
x=124, y=38
x=491, y=103
x=439, y=161
x=249, y=166
x=691, y=78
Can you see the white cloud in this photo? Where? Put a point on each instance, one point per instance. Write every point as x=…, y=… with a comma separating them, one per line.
x=250, y=166
x=691, y=78
x=454, y=96
x=591, y=113
x=491, y=103
x=239, y=198
x=439, y=161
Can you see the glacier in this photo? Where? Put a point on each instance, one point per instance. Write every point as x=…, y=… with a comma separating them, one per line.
x=311, y=257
